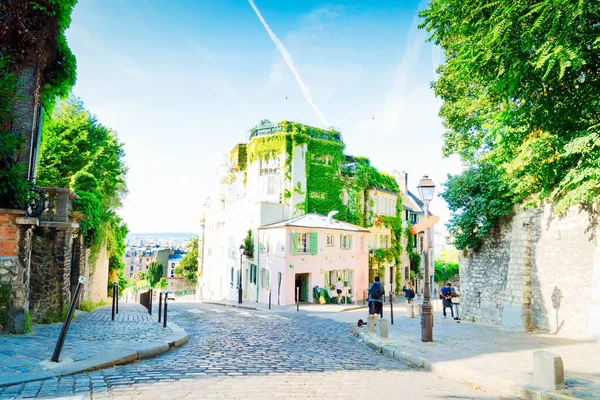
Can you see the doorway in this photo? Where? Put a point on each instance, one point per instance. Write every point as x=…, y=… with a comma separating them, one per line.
x=302, y=283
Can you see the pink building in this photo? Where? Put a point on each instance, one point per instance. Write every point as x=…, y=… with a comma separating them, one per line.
x=312, y=250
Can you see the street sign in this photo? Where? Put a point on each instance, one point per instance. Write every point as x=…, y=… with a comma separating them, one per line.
x=136, y=277
x=426, y=223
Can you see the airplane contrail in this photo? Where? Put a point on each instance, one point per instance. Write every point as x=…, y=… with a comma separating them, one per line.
x=290, y=63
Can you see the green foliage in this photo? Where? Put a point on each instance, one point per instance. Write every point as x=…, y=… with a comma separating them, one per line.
x=163, y=283
x=80, y=153
x=13, y=186
x=5, y=290
x=122, y=281
x=89, y=305
x=188, y=267
x=249, y=244
x=444, y=271
x=28, y=325
x=61, y=74
x=155, y=273
x=521, y=91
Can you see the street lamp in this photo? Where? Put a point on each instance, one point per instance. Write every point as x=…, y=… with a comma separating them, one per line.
x=426, y=188
x=242, y=248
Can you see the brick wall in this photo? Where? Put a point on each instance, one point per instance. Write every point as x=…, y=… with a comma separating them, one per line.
x=9, y=233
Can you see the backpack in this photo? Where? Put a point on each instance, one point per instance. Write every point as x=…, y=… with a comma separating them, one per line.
x=376, y=291
x=411, y=294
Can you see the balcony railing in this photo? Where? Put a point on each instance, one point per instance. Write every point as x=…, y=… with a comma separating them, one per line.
x=265, y=131
x=59, y=204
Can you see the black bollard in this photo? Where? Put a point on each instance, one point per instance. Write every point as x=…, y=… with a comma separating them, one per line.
x=114, y=303
x=67, y=323
x=297, y=299
x=117, y=297
x=159, y=305
x=364, y=297
x=391, y=305
x=165, y=312
x=150, y=303
x=269, y=299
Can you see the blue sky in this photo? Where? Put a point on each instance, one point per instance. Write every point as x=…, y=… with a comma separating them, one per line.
x=182, y=82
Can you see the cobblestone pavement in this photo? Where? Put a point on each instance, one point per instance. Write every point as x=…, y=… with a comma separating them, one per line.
x=241, y=354
x=87, y=337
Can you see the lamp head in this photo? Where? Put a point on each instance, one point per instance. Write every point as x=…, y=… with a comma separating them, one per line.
x=426, y=188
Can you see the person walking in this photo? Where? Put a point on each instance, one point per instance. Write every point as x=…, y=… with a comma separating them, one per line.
x=376, y=292
x=446, y=296
x=339, y=288
x=409, y=292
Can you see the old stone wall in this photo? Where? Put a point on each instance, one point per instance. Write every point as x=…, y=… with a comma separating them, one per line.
x=15, y=240
x=536, y=272
x=96, y=275
x=50, y=283
x=179, y=284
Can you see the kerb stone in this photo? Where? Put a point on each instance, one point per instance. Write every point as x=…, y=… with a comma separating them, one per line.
x=382, y=328
x=410, y=310
x=548, y=371
x=371, y=324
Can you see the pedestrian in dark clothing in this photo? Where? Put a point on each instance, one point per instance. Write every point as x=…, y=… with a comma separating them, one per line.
x=376, y=292
x=445, y=295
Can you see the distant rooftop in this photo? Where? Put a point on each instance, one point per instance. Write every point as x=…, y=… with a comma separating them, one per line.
x=318, y=221
x=266, y=127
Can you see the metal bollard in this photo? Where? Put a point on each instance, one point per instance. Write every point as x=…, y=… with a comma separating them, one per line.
x=117, y=290
x=165, y=312
x=364, y=296
x=150, y=303
x=67, y=323
x=160, y=295
x=114, y=304
x=391, y=307
x=269, y=299
x=297, y=299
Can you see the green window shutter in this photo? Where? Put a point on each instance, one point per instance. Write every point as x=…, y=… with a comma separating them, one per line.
x=294, y=243
x=350, y=243
x=314, y=242
x=341, y=240
x=260, y=247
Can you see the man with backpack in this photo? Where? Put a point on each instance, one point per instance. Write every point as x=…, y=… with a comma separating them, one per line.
x=376, y=292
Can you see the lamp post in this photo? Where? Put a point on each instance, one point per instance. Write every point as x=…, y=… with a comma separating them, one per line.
x=426, y=189
x=242, y=248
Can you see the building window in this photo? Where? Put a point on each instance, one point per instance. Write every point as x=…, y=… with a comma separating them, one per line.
x=231, y=283
x=384, y=241
x=346, y=241
x=172, y=265
x=303, y=243
x=264, y=278
x=269, y=167
x=362, y=243
x=131, y=274
x=330, y=239
x=139, y=267
x=131, y=268
x=253, y=273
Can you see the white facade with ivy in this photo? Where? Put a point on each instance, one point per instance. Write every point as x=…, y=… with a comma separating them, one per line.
x=285, y=171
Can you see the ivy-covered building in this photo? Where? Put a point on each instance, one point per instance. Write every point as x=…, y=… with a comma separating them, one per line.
x=286, y=170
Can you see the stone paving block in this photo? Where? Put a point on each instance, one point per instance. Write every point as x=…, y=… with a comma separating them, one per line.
x=548, y=371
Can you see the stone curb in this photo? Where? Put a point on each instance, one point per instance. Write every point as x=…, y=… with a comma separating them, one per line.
x=503, y=386
x=124, y=355
x=214, y=303
x=233, y=306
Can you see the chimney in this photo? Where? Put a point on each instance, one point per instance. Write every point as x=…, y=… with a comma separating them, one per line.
x=402, y=180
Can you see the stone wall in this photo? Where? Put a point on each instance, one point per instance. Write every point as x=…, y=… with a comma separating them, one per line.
x=96, y=275
x=50, y=283
x=536, y=271
x=179, y=284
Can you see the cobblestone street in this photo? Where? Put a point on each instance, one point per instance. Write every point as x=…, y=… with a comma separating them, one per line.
x=239, y=354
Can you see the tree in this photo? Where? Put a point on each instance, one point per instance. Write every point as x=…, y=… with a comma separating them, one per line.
x=80, y=153
x=155, y=273
x=521, y=93
x=188, y=267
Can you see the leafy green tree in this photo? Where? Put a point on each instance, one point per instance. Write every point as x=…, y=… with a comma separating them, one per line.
x=155, y=273
x=188, y=267
x=80, y=153
x=521, y=93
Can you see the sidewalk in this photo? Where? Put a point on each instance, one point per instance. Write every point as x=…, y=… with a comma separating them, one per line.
x=93, y=341
x=485, y=355
x=304, y=307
